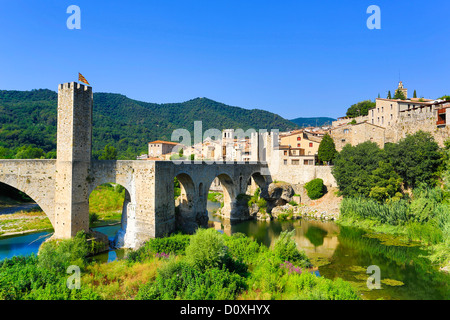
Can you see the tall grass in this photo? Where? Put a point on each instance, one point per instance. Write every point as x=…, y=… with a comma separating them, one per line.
x=393, y=213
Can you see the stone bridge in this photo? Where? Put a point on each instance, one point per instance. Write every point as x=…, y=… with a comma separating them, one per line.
x=62, y=187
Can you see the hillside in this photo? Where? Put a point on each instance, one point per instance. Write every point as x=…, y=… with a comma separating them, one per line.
x=313, y=122
x=29, y=118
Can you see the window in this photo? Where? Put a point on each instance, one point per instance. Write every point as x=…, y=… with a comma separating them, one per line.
x=299, y=138
x=346, y=131
x=285, y=153
x=310, y=144
x=298, y=145
x=295, y=162
x=382, y=109
x=306, y=162
x=285, y=162
x=392, y=116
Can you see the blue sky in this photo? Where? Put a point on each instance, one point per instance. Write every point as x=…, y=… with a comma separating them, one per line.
x=294, y=58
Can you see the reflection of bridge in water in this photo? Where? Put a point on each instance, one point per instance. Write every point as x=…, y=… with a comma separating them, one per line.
x=62, y=187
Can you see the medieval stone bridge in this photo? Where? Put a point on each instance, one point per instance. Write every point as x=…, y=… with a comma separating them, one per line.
x=62, y=187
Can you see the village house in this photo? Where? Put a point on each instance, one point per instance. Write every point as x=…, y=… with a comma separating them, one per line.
x=161, y=150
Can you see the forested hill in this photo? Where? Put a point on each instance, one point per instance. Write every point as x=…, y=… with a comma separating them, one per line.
x=29, y=118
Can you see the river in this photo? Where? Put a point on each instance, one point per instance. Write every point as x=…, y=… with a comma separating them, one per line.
x=337, y=251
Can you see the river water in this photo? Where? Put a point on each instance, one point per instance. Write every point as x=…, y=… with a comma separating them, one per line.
x=337, y=251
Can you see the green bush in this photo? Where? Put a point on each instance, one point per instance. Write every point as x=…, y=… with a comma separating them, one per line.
x=180, y=280
x=262, y=203
x=175, y=244
x=315, y=189
x=206, y=249
x=59, y=254
x=21, y=278
x=286, y=249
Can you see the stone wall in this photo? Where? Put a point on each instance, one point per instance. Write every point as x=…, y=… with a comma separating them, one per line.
x=410, y=123
x=302, y=174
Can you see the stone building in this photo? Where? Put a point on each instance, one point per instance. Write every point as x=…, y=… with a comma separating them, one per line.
x=356, y=134
x=161, y=149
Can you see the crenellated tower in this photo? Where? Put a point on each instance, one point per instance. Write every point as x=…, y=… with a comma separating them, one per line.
x=74, y=149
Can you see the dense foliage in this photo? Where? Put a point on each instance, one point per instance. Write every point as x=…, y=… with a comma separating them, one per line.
x=375, y=195
x=360, y=109
x=327, y=149
x=246, y=270
x=369, y=171
x=315, y=189
x=45, y=277
x=28, y=119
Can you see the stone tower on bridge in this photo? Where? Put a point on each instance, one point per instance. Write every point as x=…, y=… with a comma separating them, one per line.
x=74, y=146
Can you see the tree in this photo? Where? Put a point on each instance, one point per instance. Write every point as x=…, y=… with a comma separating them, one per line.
x=327, y=149
x=6, y=153
x=399, y=95
x=360, y=109
x=29, y=152
x=415, y=158
x=109, y=153
x=389, y=95
x=354, y=166
x=387, y=182
x=415, y=94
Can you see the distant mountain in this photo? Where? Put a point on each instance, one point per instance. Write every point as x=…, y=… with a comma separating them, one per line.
x=29, y=118
x=313, y=122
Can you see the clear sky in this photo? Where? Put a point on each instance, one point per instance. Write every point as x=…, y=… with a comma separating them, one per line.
x=294, y=58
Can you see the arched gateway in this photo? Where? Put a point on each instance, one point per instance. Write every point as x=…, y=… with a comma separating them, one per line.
x=61, y=187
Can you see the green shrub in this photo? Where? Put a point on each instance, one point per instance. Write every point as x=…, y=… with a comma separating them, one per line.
x=175, y=244
x=21, y=278
x=57, y=255
x=180, y=280
x=315, y=189
x=206, y=249
x=262, y=203
x=286, y=249
x=93, y=217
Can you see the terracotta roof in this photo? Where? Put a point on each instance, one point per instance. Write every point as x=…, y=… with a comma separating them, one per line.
x=164, y=142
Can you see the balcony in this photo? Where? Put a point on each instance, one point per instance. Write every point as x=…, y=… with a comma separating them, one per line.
x=440, y=123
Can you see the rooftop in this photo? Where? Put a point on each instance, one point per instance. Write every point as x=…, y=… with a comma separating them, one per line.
x=164, y=142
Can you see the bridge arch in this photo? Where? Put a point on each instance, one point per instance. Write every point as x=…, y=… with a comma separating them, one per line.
x=35, y=197
x=35, y=178
x=125, y=235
